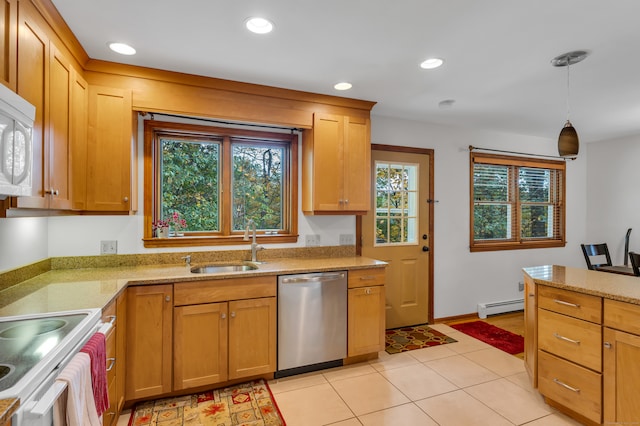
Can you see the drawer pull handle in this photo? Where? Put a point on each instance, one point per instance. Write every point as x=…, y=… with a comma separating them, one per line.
x=368, y=278
x=607, y=345
x=566, y=339
x=111, y=364
x=564, y=385
x=562, y=302
x=112, y=319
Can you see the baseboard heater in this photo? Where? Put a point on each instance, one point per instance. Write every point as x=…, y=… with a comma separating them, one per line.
x=493, y=308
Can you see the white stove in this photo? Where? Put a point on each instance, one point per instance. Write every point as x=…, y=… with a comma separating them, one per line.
x=34, y=349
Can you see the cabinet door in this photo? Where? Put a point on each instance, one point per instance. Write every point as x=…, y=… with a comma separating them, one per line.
x=366, y=320
x=32, y=84
x=59, y=131
x=357, y=165
x=8, y=37
x=530, y=330
x=109, y=149
x=149, y=330
x=78, y=142
x=199, y=345
x=328, y=162
x=121, y=350
x=621, y=398
x=252, y=337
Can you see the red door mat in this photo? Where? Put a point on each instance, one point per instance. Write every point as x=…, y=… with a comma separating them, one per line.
x=502, y=339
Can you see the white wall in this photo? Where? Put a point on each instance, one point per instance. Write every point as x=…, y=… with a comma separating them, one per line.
x=462, y=279
x=613, y=202
x=22, y=241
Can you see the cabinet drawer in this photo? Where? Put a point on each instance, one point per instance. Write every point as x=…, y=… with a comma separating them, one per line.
x=570, y=338
x=211, y=291
x=622, y=316
x=578, y=305
x=570, y=385
x=366, y=277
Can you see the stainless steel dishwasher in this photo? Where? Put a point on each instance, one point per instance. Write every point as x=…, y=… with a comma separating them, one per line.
x=312, y=321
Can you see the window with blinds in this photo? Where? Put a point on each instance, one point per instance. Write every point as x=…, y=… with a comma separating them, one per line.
x=516, y=202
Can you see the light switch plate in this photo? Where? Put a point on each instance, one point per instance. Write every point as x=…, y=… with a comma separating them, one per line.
x=347, y=239
x=109, y=247
x=312, y=240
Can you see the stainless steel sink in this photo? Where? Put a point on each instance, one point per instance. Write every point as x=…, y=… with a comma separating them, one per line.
x=223, y=268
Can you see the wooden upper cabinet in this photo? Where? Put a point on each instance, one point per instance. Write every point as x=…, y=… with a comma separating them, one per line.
x=59, y=115
x=8, y=37
x=78, y=140
x=32, y=84
x=336, y=165
x=109, y=150
x=44, y=80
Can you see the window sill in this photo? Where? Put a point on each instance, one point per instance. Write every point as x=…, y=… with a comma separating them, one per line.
x=516, y=245
x=194, y=241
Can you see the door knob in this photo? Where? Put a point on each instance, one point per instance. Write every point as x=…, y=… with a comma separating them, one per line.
x=425, y=248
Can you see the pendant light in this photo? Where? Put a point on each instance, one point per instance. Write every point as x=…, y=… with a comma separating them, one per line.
x=568, y=144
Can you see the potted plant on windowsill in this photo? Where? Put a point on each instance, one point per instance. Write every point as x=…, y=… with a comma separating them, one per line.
x=178, y=224
x=161, y=228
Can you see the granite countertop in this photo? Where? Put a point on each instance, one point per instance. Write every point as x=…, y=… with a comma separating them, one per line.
x=88, y=288
x=71, y=289
x=604, y=284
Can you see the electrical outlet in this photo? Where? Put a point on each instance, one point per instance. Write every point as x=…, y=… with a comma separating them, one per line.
x=109, y=247
x=347, y=239
x=520, y=286
x=312, y=240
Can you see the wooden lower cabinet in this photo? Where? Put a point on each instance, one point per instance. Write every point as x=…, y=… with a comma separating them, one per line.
x=252, y=337
x=149, y=334
x=173, y=348
x=366, y=312
x=621, y=366
x=530, y=330
x=199, y=345
x=115, y=313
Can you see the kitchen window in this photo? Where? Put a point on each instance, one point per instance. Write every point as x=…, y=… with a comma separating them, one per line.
x=216, y=179
x=516, y=202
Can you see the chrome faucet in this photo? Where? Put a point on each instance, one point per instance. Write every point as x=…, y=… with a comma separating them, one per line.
x=187, y=259
x=254, y=246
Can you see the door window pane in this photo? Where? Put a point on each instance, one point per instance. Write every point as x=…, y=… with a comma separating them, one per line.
x=396, y=203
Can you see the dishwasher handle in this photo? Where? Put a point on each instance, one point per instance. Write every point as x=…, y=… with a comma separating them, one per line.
x=316, y=279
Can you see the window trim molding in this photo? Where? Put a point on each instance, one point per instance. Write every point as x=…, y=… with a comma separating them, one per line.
x=517, y=161
x=234, y=238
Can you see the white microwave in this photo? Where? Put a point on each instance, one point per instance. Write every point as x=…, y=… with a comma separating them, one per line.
x=16, y=142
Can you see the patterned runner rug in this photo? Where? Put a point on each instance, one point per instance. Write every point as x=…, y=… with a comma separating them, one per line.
x=249, y=404
x=497, y=337
x=416, y=337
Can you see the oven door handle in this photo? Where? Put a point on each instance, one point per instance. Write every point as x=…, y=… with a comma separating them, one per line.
x=45, y=404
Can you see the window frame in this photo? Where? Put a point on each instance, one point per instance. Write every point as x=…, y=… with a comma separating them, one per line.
x=514, y=163
x=226, y=236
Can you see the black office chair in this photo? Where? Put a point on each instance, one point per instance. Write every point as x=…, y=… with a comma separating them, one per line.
x=635, y=263
x=593, y=250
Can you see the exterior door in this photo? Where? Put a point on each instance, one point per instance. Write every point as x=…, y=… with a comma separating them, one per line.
x=398, y=230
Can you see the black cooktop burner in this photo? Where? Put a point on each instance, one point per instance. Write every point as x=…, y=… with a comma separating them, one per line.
x=34, y=327
x=5, y=370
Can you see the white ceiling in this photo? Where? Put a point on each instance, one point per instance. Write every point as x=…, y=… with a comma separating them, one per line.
x=497, y=54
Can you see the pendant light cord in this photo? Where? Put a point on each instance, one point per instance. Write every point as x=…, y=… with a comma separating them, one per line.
x=568, y=93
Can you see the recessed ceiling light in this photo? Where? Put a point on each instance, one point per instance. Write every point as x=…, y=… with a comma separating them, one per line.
x=342, y=86
x=122, y=48
x=431, y=63
x=259, y=25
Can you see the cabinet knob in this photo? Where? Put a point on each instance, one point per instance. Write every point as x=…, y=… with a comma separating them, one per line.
x=167, y=298
x=607, y=345
x=233, y=314
x=126, y=199
x=223, y=316
x=367, y=291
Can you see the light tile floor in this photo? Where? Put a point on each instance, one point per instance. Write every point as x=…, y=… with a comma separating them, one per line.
x=458, y=384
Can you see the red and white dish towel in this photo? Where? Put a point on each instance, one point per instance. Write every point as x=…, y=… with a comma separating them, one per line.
x=97, y=351
x=76, y=406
